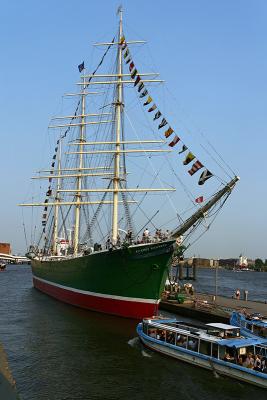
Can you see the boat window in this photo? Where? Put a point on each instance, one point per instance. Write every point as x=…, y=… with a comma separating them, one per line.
x=181, y=341
x=227, y=354
x=205, y=347
x=260, y=331
x=214, y=332
x=145, y=327
x=170, y=337
x=231, y=333
x=152, y=331
x=261, y=350
x=214, y=350
x=242, y=351
x=161, y=334
x=243, y=323
x=192, y=343
x=222, y=351
x=249, y=327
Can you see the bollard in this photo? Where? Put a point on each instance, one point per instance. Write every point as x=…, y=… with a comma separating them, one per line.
x=246, y=295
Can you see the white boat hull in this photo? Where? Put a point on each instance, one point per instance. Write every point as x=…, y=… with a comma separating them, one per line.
x=199, y=360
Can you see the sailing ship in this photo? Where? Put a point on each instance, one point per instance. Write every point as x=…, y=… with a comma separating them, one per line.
x=95, y=249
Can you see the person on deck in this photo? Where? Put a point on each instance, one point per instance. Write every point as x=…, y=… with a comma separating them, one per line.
x=108, y=243
x=146, y=235
x=129, y=236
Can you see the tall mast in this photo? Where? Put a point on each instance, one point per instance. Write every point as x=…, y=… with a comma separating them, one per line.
x=56, y=209
x=118, y=106
x=79, y=178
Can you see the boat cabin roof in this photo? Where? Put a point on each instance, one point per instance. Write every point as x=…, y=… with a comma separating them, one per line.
x=178, y=326
x=255, y=319
x=223, y=327
x=243, y=342
x=181, y=327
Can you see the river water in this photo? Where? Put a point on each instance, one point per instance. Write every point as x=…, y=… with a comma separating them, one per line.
x=59, y=352
x=228, y=281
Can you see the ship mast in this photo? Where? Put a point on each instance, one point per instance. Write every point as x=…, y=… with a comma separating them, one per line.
x=118, y=150
x=79, y=177
x=57, y=199
x=118, y=108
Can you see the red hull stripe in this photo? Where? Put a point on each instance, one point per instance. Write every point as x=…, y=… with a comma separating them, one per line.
x=117, y=305
x=95, y=294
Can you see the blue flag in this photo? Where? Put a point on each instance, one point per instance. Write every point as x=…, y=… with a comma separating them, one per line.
x=81, y=67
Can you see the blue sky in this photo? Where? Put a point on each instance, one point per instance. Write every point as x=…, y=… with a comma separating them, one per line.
x=213, y=54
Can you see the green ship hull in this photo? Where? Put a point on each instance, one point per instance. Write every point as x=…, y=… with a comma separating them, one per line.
x=127, y=282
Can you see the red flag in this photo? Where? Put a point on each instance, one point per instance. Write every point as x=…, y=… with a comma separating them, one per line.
x=174, y=141
x=199, y=200
x=196, y=166
x=131, y=66
x=138, y=78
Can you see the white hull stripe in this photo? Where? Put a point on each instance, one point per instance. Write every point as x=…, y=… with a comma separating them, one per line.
x=106, y=296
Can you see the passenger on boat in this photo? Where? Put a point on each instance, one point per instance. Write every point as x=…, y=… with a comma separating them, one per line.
x=227, y=357
x=264, y=365
x=181, y=340
x=240, y=361
x=170, y=338
x=257, y=363
x=249, y=361
x=163, y=335
x=152, y=333
x=192, y=344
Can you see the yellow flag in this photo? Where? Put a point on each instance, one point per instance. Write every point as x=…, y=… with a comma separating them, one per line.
x=149, y=99
x=190, y=156
x=169, y=132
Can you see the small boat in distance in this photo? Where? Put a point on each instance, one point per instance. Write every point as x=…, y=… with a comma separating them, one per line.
x=215, y=346
x=251, y=325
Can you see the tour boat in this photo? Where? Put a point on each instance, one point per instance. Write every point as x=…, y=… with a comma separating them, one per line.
x=214, y=346
x=252, y=325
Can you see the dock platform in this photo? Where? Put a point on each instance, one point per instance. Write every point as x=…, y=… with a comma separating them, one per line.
x=207, y=309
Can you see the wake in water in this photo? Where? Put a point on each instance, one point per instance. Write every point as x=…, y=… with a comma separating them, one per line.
x=134, y=342
x=145, y=354
x=217, y=376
